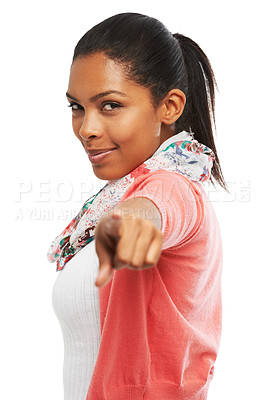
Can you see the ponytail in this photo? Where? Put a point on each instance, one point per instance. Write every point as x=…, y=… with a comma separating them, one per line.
x=199, y=112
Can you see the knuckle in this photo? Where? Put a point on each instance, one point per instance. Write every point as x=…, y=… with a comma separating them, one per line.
x=132, y=218
x=136, y=263
x=137, y=223
x=122, y=258
x=148, y=226
x=150, y=262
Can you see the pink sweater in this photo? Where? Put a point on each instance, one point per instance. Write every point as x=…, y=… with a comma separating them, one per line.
x=161, y=327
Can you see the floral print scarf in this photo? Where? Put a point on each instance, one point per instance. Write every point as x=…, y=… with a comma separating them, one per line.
x=180, y=153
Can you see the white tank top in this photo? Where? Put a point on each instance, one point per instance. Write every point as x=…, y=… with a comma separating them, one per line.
x=76, y=304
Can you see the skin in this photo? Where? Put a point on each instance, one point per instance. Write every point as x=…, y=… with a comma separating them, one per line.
x=130, y=124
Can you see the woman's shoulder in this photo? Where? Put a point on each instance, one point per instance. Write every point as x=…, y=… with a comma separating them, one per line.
x=165, y=183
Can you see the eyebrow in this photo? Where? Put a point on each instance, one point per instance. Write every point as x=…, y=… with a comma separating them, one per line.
x=99, y=95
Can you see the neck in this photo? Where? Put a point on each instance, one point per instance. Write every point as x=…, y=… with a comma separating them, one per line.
x=166, y=132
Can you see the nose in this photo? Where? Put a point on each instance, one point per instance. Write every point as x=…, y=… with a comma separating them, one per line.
x=91, y=126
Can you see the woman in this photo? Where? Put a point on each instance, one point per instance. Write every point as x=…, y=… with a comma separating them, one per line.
x=142, y=103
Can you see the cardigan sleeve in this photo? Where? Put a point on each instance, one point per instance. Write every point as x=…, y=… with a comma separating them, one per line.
x=179, y=201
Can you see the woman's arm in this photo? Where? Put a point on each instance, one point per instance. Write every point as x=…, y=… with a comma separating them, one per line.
x=128, y=237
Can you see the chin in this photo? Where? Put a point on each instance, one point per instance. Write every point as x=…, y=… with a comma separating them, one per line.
x=104, y=176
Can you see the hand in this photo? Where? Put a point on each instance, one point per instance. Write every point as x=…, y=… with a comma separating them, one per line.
x=128, y=242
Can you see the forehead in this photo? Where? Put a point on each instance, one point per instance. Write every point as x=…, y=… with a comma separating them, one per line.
x=97, y=73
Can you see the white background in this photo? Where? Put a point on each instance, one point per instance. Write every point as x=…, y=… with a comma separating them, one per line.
x=46, y=176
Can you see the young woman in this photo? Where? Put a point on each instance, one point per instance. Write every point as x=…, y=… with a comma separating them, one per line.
x=149, y=327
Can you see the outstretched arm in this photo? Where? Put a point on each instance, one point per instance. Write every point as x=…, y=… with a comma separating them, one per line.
x=128, y=237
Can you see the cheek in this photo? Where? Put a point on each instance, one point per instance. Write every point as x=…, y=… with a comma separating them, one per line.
x=136, y=124
x=76, y=125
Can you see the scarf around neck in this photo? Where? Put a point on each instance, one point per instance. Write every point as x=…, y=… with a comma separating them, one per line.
x=180, y=153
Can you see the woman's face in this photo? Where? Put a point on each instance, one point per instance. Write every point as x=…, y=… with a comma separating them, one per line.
x=113, y=116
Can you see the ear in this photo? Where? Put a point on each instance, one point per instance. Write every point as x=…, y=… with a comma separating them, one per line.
x=172, y=106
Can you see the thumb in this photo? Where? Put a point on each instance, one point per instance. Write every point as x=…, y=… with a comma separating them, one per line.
x=105, y=242
x=105, y=266
x=104, y=276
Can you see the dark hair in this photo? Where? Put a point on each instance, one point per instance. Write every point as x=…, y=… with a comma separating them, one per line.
x=153, y=57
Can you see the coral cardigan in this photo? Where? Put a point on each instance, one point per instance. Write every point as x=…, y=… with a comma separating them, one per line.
x=161, y=327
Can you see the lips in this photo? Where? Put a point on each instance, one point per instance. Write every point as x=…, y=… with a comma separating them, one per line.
x=97, y=155
x=98, y=151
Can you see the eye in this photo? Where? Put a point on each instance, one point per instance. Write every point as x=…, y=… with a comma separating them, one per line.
x=75, y=106
x=110, y=106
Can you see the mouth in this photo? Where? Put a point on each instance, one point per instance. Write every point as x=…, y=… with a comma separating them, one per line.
x=96, y=156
